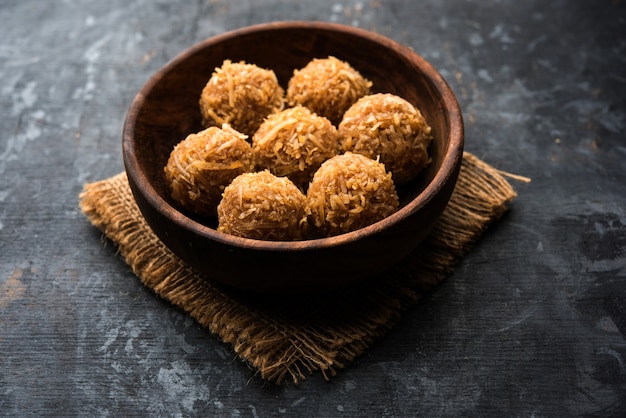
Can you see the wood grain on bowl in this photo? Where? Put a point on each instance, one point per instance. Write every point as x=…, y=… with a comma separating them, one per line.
x=166, y=110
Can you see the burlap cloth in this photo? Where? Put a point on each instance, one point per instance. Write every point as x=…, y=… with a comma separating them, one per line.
x=288, y=338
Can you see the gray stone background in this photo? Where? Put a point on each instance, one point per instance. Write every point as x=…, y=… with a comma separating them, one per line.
x=532, y=323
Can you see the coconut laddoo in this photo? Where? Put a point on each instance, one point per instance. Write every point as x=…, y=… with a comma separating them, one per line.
x=241, y=95
x=263, y=206
x=327, y=86
x=202, y=164
x=388, y=127
x=294, y=143
x=348, y=192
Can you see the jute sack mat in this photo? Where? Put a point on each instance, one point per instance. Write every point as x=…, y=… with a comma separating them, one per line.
x=288, y=338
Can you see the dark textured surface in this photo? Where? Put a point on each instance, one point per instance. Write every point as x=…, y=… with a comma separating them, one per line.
x=532, y=323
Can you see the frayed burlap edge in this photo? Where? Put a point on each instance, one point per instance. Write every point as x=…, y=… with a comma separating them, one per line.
x=320, y=336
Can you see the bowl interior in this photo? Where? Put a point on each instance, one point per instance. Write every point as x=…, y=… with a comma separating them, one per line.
x=167, y=107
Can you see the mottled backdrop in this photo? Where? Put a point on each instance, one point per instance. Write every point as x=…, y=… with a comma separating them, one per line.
x=532, y=323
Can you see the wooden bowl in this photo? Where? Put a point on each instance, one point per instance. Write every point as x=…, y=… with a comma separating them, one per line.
x=166, y=110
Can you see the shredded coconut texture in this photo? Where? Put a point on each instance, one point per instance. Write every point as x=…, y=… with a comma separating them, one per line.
x=327, y=86
x=263, y=206
x=390, y=128
x=348, y=192
x=294, y=143
x=241, y=95
x=203, y=164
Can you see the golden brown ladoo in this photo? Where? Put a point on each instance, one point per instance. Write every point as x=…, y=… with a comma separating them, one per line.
x=327, y=86
x=202, y=164
x=294, y=143
x=348, y=192
x=388, y=127
x=241, y=95
x=263, y=206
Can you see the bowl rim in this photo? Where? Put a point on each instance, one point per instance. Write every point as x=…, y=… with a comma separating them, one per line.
x=449, y=165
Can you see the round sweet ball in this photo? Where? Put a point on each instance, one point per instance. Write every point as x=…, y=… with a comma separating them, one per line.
x=263, y=206
x=294, y=143
x=327, y=86
x=390, y=128
x=202, y=164
x=348, y=192
x=241, y=95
